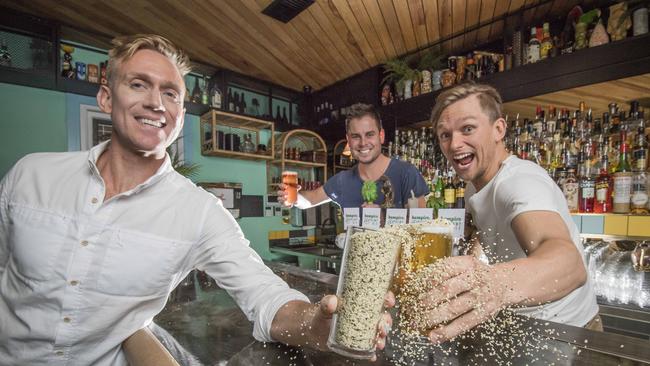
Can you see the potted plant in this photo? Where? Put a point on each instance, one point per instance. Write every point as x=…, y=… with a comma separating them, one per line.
x=401, y=74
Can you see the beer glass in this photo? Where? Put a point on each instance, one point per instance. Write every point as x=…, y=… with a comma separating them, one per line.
x=367, y=267
x=429, y=242
x=432, y=243
x=290, y=181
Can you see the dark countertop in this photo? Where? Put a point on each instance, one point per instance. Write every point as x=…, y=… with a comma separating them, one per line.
x=203, y=326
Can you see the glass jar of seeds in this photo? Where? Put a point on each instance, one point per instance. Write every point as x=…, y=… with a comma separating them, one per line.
x=367, y=268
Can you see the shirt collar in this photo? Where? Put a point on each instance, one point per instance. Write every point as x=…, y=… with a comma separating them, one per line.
x=97, y=150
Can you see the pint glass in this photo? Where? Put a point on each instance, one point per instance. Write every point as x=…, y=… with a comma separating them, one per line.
x=290, y=180
x=432, y=242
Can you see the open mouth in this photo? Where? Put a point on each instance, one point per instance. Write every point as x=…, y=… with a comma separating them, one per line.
x=463, y=160
x=150, y=122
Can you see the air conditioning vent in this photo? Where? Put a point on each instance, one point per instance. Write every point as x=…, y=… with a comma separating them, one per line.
x=285, y=10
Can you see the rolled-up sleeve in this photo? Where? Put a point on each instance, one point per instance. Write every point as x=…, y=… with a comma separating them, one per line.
x=224, y=253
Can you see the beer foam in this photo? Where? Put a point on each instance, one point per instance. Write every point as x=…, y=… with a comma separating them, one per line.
x=438, y=226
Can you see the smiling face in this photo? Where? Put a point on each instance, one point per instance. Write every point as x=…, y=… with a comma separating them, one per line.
x=145, y=102
x=365, y=138
x=470, y=141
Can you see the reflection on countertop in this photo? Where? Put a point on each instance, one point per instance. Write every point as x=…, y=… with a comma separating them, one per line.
x=203, y=326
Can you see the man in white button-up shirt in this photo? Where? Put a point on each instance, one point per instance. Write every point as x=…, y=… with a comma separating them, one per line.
x=92, y=243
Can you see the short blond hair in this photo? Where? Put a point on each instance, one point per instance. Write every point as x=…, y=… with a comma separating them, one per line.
x=488, y=97
x=126, y=46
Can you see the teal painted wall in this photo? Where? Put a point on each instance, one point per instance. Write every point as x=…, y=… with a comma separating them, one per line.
x=252, y=175
x=44, y=120
x=32, y=120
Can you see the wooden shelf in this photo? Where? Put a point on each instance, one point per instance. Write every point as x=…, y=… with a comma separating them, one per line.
x=237, y=154
x=613, y=61
x=299, y=163
x=214, y=119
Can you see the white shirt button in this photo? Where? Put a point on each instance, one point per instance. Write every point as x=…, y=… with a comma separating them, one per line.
x=66, y=320
x=74, y=283
x=84, y=243
x=59, y=353
x=94, y=200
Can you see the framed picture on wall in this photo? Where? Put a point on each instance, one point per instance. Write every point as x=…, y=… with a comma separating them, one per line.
x=96, y=126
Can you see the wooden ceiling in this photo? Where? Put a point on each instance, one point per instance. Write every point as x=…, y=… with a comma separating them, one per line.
x=621, y=92
x=331, y=40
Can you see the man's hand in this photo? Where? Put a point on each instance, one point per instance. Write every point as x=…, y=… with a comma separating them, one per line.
x=313, y=326
x=469, y=293
x=282, y=194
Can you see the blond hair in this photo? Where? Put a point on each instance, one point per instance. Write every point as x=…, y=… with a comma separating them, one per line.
x=488, y=97
x=126, y=46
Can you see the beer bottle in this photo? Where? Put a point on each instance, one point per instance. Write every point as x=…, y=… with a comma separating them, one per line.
x=449, y=192
x=460, y=194
x=603, y=201
x=570, y=190
x=622, y=178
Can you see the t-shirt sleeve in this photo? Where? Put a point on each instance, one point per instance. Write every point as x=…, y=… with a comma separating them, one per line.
x=414, y=181
x=333, y=186
x=523, y=193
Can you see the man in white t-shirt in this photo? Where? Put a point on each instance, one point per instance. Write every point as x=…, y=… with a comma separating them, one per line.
x=525, y=229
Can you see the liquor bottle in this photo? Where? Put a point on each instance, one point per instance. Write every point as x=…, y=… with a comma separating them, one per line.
x=231, y=101
x=236, y=103
x=640, y=151
x=587, y=188
x=449, y=192
x=437, y=200
x=196, y=92
x=204, y=92
x=614, y=118
x=547, y=43
x=639, y=198
x=570, y=190
x=242, y=103
x=603, y=201
x=5, y=56
x=285, y=120
x=215, y=96
x=533, y=46
x=622, y=179
x=278, y=117
x=460, y=194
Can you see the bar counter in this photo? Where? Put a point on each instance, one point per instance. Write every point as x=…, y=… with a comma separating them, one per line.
x=203, y=326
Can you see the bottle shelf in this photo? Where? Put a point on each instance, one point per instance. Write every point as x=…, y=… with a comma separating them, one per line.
x=214, y=125
x=299, y=163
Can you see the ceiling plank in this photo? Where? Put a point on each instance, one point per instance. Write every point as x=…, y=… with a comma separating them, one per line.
x=286, y=37
x=487, y=14
x=343, y=11
x=361, y=15
x=379, y=23
x=446, y=23
x=459, y=14
x=264, y=47
x=342, y=29
x=404, y=18
x=418, y=21
x=392, y=25
x=432, y=20
x=347, y=53
x=496, y=30
x=473, y=17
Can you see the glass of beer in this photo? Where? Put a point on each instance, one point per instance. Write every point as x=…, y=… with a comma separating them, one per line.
x=290, y=181
x=429, y=242
x=432, y=243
